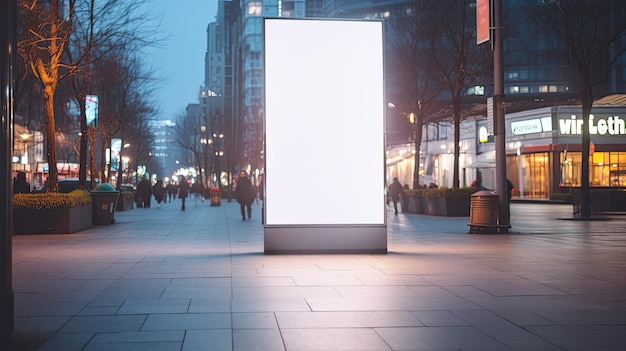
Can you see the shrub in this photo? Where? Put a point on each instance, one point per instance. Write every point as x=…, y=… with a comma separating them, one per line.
x=128, y=195
x=51, y=201
x=452, y=193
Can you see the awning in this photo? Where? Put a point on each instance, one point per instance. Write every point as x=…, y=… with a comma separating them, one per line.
x=482, y=164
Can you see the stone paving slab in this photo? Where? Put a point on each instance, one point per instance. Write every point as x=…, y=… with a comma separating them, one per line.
x=166, y=279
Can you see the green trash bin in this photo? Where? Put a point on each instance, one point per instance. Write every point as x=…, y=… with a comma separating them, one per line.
x=103, y=202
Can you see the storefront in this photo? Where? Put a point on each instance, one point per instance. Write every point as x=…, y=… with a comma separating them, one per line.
x=544, y=149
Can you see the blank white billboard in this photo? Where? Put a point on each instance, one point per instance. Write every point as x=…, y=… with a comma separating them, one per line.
x=324, y=123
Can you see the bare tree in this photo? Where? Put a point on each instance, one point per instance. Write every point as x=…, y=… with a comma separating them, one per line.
x=101, y=27
x=123, y=87
x=410, y=77
x=188, y=135
x=49, y=26
x=593, y=32
x=62, y=38
x=459, y=62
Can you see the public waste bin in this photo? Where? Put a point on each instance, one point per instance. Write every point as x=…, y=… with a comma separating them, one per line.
x=103, y=202
x=216, y=196
x=484, y=211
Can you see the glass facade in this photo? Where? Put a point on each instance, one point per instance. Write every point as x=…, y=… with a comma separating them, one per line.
x=607, y=169
x=535, y=174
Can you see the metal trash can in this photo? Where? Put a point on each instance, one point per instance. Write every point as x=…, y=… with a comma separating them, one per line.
x=216, y=196
x=103, y=202
x=484, y=212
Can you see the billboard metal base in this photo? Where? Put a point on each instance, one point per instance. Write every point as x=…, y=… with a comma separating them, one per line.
x=344, y=239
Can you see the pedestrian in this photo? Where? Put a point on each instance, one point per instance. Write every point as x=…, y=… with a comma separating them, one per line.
x=145, y=191
x=262, y=196
x=172, y=189
x=183, y=191
x=510, y=189
x=395, y=189
x=476, y=186
x=20, y=185
x=198, y=192
x=159, y=191
x=245, y=194
x=261, y=187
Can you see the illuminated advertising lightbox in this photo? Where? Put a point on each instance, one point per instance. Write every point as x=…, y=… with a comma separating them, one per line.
x=324, y=125
x=91, y=109
x=116, y=148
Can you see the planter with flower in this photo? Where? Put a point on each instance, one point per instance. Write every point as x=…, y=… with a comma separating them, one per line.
x=412, y=201
x=51, y=213
x=450, y=202
x=126, y=201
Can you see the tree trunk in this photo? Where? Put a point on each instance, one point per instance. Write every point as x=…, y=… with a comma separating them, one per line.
x=84, y=144
x=457, y=139
x=419, y=122
x=53, y=176
x=92, y=156
x=587, y=103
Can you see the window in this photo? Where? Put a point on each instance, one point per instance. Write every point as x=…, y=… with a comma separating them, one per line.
x=254, y=8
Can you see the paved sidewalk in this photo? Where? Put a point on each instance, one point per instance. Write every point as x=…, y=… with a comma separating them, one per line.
x=164, y=279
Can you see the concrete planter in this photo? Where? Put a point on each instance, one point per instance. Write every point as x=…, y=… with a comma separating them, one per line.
x=415, y=204
x=124, y=203
x=445, y=206
x=58, y=221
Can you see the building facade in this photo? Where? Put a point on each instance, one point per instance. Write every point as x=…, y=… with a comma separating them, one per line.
x=543, y=149
x=532, y=72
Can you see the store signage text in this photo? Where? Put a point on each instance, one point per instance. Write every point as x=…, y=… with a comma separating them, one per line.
x=530, y=126
x=613, y=125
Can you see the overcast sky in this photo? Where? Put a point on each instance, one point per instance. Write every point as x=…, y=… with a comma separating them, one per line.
x=179, y=59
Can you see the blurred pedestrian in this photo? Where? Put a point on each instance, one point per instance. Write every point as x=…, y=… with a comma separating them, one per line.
x=183, y=191
x=172, y=189
x=198, y=192
x=395, y=189
x=20, y=185
x=245, y=194
x=510, y=189
x=476, y=186
x=262, y=196
x=159, y=191
x=144, y=188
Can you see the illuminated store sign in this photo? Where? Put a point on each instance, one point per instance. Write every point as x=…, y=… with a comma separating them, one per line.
x=530, y=126
x=612, y=125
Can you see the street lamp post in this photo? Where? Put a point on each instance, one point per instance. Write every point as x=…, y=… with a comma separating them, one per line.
x=205, y=144
x=218, y=140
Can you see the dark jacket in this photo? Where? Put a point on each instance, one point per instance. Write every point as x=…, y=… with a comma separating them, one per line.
x=395, y=189
x=158, y=190
x=144, y=188
x=244, y=191
x=183, y=189
x=172, y=188
x=20, y=185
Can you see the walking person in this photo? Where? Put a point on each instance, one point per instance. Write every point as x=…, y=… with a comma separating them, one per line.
x=159, y=191
x=145, y=191
x=20, y=185
x=261, y=187
x=198, y=192
x=172, y=189
x=183, y=191
x=395, y=189
x=510, y=189
x=245, y=194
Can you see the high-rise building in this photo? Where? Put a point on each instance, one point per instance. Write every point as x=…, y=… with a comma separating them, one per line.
x=536, y=71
